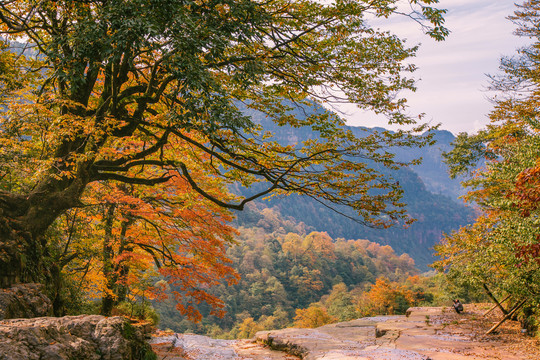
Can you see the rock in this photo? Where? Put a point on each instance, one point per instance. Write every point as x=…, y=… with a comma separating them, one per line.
x=361, y=339
x=84, y=337
x=421, y=335
x=428, y=333
x=345, y=340
x=24, y=301
x=198, y=347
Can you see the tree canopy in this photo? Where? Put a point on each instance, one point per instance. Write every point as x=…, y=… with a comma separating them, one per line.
x=146, y=92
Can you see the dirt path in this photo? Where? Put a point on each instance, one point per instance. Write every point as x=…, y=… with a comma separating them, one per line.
x=505, y=344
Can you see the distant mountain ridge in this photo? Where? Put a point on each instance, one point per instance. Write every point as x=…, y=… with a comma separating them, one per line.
x=432, y=199
x=433, y=171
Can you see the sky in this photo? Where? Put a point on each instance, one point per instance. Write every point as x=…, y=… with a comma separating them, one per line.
x=452, y=81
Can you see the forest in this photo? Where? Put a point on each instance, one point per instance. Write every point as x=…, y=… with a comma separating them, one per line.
x=291, y=276
x=430, y=198
x=179, y=158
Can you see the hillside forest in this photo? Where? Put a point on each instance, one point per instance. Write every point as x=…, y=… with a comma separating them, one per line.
x=176, y=161
x=292, y=276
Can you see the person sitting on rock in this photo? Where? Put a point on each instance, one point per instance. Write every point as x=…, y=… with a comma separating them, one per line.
x=458, y=306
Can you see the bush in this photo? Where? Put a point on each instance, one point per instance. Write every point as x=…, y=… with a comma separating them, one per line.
x=139, y=310
x=312, y=317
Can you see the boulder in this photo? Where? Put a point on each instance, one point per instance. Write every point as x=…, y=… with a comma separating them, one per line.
x=343, y=341
x=84, y=337
x=24, y=301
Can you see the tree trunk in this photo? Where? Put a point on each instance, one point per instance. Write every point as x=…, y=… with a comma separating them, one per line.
x=122, y=268
x=107, y=300
x=107, y=303
x=115, y=273
x=24, y=220
x=11, y=262
x=21, y=259
x=56, y=285
x=122, y=289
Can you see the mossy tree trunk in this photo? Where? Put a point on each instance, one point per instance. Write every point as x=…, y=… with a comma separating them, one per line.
x=24, y=220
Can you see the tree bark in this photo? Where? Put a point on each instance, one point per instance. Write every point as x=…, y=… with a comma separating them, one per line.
x=107, y=300
x=11, y=263
x=56, y=285
x=24, y=220
x=115, y=273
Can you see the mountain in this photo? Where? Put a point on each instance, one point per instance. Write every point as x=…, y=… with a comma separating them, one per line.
x=431, y=198
x=433, y=171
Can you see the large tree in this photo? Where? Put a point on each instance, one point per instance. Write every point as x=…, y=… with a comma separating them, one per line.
x=502, y=248
x=106, y=76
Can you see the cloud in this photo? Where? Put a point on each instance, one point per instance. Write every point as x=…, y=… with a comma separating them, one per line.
x=452, y=74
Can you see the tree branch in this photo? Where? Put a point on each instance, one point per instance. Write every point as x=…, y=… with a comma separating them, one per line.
x=141, y=155
x=131, y=180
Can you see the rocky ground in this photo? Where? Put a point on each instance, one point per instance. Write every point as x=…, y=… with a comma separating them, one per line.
x=83, y=337
x=197, y=347
x=28, y=333
x=24, y=301
x=427, y=333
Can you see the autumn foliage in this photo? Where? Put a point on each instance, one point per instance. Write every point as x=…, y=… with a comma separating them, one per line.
x=288, y=272
x=313, y=317
x=501, y=250
x=132, y=234
x=125, y=121
x=386, y=298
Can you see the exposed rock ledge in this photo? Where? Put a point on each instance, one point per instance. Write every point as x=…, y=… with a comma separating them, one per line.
x=84, y=337
x=426, y=334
